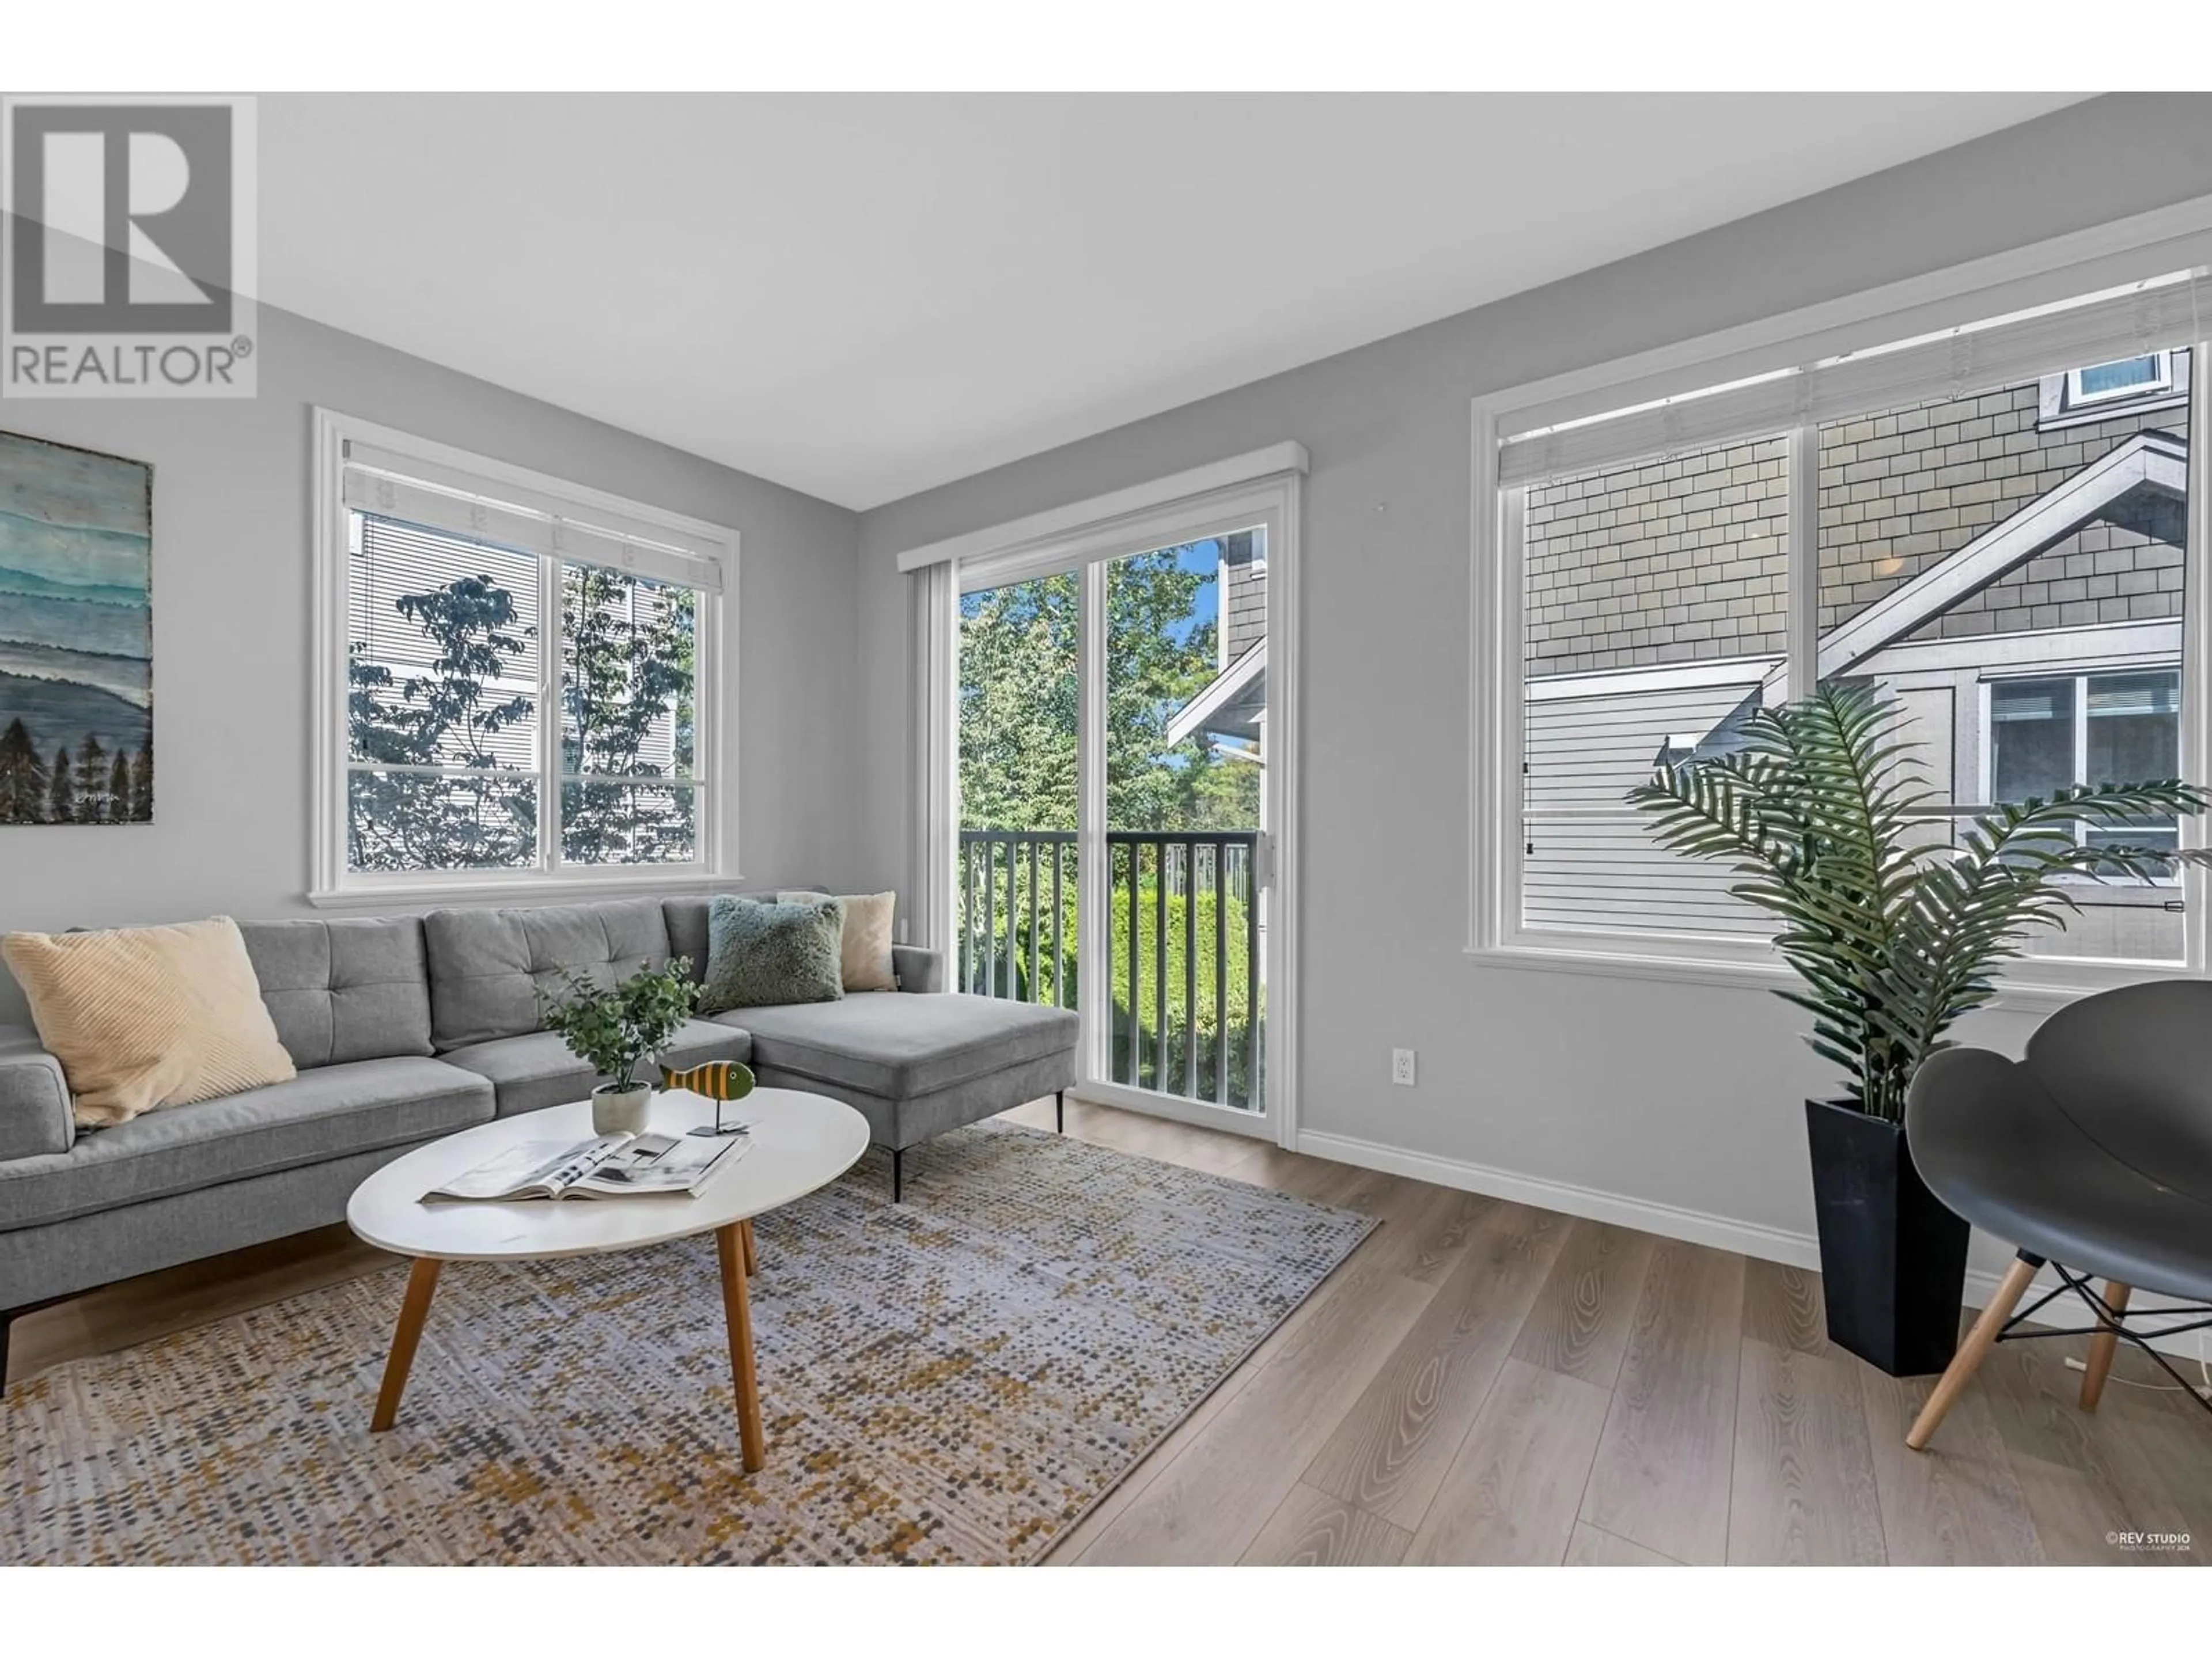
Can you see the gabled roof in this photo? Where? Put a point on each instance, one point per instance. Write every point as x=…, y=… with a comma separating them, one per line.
x=2153, y=461
x=1231, y=705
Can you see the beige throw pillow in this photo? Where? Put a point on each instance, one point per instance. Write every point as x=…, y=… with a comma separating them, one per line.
x=867, y=937
x=142, y=1017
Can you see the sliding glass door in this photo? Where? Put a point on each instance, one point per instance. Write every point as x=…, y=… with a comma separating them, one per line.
x=1113, y=849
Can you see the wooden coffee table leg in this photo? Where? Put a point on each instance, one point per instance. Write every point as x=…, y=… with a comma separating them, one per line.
x=752, y=1251
x=737, y=1310
x=412, y=1308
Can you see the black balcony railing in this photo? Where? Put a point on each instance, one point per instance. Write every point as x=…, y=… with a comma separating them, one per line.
x=1186, y=1001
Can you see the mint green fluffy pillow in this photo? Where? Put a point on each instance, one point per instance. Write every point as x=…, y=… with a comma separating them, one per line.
x=759, y=955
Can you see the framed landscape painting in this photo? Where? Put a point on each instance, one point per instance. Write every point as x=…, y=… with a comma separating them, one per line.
x=76, y=635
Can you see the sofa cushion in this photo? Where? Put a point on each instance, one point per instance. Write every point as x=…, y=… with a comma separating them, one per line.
x=761, y=955
x=687, y=926
x=331, y=1112
x=145, y=1017
x=901, y=1046
x=488, y=968
x=536, y=1070
x=865, y=921
x=354, y=988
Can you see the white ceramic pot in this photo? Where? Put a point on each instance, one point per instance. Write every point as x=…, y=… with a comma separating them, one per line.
x=621, y=1111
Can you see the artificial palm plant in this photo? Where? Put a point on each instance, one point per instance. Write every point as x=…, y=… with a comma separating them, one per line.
x=1826, y=817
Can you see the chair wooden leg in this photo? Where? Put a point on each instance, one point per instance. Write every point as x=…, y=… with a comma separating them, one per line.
x=752, y=1251
x=414, y=1307
x=1059, y=1111
x=2101, y=1347
x=1973, y=1352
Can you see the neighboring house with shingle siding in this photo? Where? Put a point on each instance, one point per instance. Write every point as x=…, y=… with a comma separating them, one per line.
x=1671, y=561
x=1900, y=491
x=2009, y=565
x=1244, y=595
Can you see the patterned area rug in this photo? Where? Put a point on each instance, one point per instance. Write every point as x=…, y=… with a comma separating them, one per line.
x=959, y=1379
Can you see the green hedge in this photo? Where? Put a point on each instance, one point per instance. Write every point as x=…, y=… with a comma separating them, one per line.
x=1056, y=976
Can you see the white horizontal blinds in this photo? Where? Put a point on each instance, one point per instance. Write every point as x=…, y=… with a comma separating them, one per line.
x=397, y=486
x=2158, y=692
x=2032, y=700
x=1555, y=439
x=402, y=612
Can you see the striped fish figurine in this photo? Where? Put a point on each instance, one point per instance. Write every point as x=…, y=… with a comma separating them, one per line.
x=717, y=1079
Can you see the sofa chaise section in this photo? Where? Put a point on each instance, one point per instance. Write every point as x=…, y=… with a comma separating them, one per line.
x=914, y=1064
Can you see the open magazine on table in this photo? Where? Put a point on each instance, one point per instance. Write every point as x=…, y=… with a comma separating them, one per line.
x=605, y=1166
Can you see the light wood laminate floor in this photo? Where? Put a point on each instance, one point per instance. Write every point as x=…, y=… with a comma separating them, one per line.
x=1482, y=1382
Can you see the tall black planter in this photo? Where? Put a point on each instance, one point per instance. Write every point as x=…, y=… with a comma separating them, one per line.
x=1892, y=1259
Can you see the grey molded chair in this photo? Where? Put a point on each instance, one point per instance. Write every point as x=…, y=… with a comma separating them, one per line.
x=2092, y=1154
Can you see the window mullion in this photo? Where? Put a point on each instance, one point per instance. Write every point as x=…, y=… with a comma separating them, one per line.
x=551, y=658
x=2196, y=670
x=1800, y=570
x=2081, y=748
x=1509, y=875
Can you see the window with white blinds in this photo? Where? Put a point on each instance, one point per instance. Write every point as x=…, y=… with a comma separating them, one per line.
x=1989, y=519
x=524, y=678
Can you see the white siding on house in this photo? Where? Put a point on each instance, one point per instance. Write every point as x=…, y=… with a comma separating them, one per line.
x=1589, y=858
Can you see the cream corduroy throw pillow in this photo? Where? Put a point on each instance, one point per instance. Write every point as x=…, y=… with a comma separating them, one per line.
x=867, y=940
x=142, y=1017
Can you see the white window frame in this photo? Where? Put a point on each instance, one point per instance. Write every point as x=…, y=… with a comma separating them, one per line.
x=2061, y=402
x=332, y=883
x=2080, y=675
x=2083, y=262
x=2079, y=397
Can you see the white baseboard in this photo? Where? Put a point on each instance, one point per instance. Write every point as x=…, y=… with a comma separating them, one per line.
x=1590, y=1203
x=1669, y=1221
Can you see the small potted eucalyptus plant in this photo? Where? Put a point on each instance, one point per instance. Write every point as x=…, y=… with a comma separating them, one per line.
x=615, y=1029
x=1824, y=816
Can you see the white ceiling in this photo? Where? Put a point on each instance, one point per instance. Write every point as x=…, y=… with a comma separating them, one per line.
x=862, y=296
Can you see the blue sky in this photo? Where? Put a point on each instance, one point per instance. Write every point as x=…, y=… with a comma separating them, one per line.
x=1203, y=558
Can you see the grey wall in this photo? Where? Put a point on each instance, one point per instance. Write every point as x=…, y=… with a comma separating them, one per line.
x=233, y=543
x=1676, y=1094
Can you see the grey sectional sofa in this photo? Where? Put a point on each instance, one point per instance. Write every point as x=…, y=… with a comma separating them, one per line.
x=405, y=1029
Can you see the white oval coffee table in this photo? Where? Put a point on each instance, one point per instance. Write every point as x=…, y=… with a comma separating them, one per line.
x=800, y=1142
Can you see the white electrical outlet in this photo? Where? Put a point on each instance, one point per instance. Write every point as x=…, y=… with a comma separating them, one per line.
x=1401, y=1068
